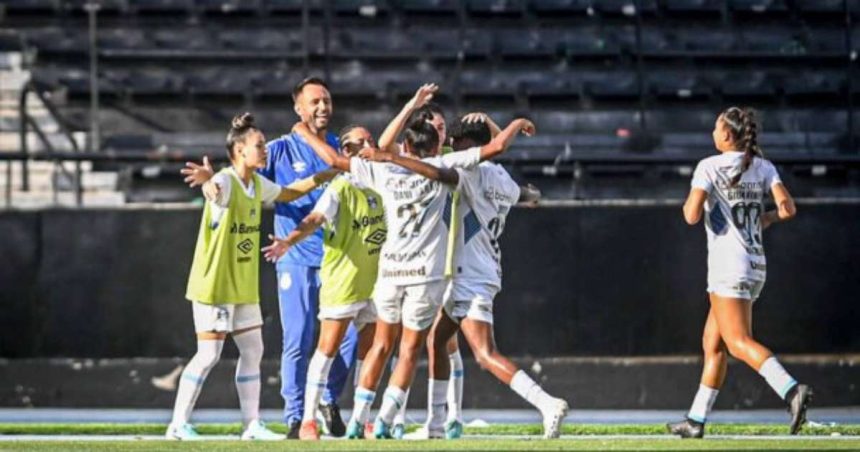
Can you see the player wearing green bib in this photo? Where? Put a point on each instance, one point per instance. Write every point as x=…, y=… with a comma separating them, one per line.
x=353, y=221
x=224, y=282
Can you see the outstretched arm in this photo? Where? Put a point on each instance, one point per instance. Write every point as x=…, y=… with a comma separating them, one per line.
x=529, y=195
x=328, y=154
x=694, y=206
x=201, y=175
x=388, y=139
x=279, y=247
x=785, y=208
x=447, y=176
x=504, y=139
x=304, y=186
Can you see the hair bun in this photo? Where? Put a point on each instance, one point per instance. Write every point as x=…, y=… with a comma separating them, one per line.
x=242, y=121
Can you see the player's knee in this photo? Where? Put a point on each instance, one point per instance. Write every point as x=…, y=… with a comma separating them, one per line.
x=739, y=345
x=484, y=356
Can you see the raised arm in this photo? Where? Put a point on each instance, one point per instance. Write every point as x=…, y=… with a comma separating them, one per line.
x=327, y=153
x=504, y=139
x=304, y=186
x=201, y=175
x=485, y=118
x=279, y=247
x=388, y=139
x=785, y=208
x=695, y=205
x=445, y=175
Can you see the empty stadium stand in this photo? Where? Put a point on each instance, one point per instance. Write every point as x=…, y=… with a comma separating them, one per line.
x=624, y=92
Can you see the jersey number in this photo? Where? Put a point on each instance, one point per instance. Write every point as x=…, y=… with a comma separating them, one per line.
x=416, y=212
x=747, y=218
x=495, y=226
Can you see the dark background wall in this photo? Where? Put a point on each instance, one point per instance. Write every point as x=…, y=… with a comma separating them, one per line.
x=578, y=281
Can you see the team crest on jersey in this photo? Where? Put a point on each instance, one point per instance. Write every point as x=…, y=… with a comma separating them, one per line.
x=253, y=212
x=300, y=167
x=372, y=202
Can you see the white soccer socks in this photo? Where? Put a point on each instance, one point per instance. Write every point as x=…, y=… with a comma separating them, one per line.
x=455, y=388
x=528, y=389
x=702, y=403
x=191, y=381
x=777, y=377
x=361, y=405
x=318, y=370
x=437, y=391
x=250, y=345
x=392, y=400
x=356, y=377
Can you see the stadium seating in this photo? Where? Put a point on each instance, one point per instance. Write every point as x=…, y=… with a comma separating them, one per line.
x=583, y=69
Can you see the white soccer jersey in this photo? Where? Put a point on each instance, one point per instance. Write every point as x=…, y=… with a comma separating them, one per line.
x=733, y=214
x=488, y=193
x=414, y=250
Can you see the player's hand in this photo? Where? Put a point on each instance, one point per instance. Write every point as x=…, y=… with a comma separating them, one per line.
x=211, y=191
x=276, y=249
x=530, y=195
x=476, y=117
x=527, y=128
x=374, y=155
x=422, y=96
x=197, y=174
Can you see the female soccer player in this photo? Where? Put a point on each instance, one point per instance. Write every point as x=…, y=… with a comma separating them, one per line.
x=730, y=188
x=223, y=285
x=353, y=234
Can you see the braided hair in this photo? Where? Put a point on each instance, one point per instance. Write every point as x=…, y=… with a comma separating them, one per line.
x=743, y=127
x=240, y=127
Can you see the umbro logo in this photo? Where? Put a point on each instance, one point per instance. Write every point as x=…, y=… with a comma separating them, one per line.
x=245, y=246
x=377, y=237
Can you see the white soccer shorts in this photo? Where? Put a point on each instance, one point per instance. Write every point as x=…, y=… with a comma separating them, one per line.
x=225, y=318
x=470, y=300
x=415, y=304
x=736, y=287
x=361, y=312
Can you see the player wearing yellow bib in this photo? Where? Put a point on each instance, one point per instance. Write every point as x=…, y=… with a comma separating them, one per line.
x=353, y=222
x=223, y=286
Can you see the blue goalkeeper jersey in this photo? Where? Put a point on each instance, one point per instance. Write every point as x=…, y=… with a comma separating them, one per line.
x=290, y=159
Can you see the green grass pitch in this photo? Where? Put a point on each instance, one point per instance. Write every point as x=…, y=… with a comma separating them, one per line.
x=502, y=437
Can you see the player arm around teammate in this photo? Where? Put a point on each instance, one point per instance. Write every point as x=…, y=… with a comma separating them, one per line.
x=727, y=190
x=201, y=175
x=354, y=231
x=223, y=285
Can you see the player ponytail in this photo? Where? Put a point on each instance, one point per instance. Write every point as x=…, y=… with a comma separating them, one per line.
x=421, y=137
x=743, y=127
x=240, y=127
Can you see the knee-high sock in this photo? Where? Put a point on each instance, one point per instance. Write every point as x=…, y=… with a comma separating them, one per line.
x=208, y=353
x=318, y=371
x=455, y=387
x=703, y=403
x=776, y=376
x=250, y=345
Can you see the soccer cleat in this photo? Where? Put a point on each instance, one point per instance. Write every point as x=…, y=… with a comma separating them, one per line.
x=453, y=429
x=687, y=428
x=424, y=432
x=257, y=431
x=309, y=431
x=183, y=432
x=381, y=430
x=332, y=422
x=354, y=430
x=553, y=416
x=797, y=405
x=295, y=426
x=398, y=431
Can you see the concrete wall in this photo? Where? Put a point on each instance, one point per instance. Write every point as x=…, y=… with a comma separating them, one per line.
x=599, y=280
